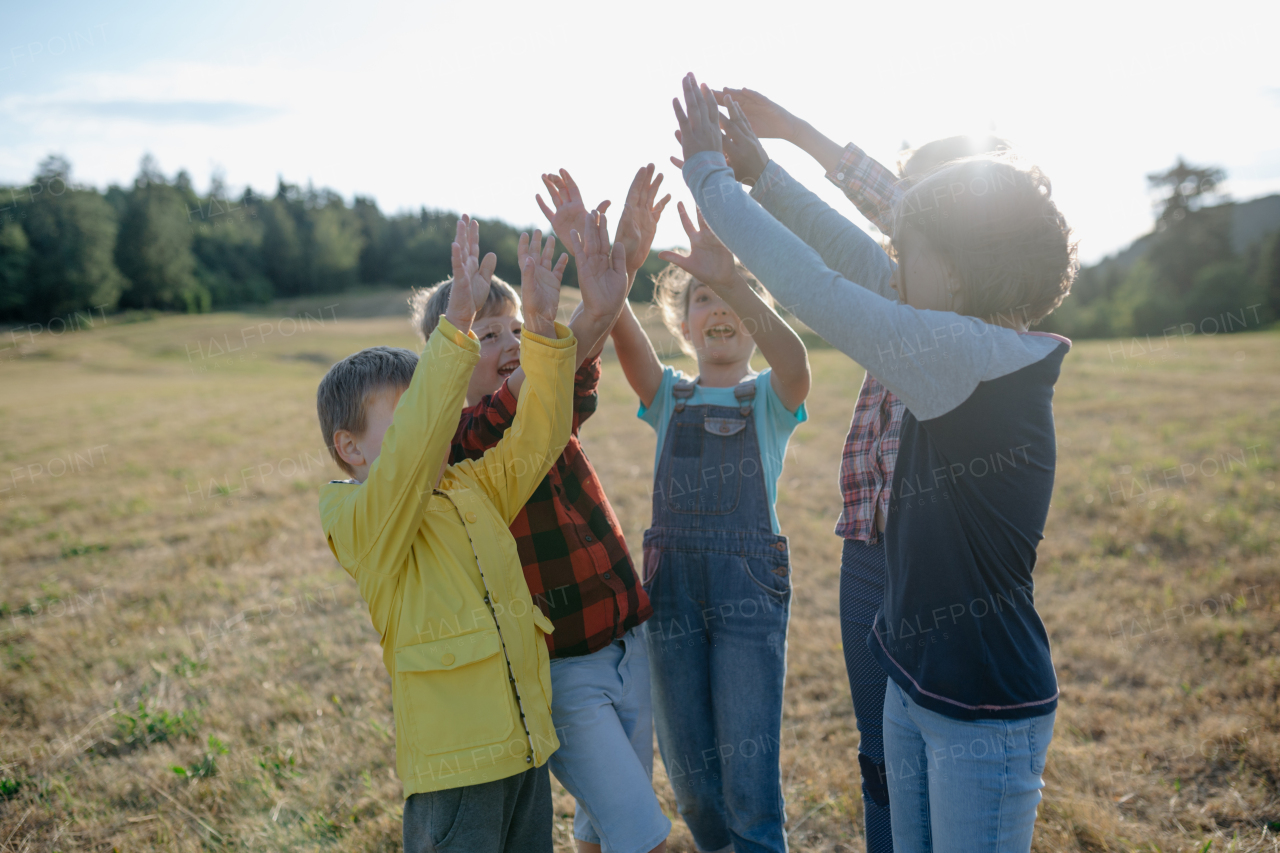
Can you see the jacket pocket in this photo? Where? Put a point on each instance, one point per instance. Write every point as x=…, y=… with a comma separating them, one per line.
x=455, y=692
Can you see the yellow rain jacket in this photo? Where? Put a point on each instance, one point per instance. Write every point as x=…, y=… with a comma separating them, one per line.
x=461, y=637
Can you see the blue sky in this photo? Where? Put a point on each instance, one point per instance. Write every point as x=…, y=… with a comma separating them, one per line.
x=436, y=104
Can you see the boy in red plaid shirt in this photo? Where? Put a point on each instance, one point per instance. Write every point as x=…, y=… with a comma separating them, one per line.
x=871, y=449
x=571, y=545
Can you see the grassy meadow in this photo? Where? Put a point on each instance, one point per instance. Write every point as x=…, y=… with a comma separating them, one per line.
x=184, y=666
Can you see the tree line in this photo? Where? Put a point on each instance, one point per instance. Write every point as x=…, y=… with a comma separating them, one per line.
x=1208, y=268
x=159, y=244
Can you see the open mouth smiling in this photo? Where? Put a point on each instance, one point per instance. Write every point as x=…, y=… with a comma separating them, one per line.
x=720, y=330
x=509, y=368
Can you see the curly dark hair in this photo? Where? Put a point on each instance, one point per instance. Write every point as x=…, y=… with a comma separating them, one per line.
x=992, y=220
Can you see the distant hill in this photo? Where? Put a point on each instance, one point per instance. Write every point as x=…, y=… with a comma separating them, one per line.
x=1250, y=222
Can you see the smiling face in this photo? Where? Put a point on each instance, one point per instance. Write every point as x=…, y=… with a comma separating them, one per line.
x=499, y=336
x=714, y=330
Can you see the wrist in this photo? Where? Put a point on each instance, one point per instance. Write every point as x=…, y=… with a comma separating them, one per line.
x=538, y=325
x=462, y=324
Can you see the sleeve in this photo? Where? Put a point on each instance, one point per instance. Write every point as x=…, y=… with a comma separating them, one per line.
x=933, y=360
x=585, y=394
x=374, y=528
x=511, y=469
x=776, y=423
x=657, y=412
x=866, y=182
x=843, y=246
x=483, y=425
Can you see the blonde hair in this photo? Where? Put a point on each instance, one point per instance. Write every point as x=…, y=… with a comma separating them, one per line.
x=342, y=400
x=671, y=291
x=993, y=221
x=426, y=304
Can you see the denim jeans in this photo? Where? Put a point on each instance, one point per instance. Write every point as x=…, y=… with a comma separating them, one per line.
x=959, y=786
x=601, y=706
x=717, y=651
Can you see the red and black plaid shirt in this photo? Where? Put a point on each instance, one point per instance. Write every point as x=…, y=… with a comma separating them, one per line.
x=871, y=450
x=570, y=543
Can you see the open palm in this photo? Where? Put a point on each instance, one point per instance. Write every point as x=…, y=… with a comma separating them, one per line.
x=471, y=274
x=602, y=268
x=540, y=281
x=709, y=260
x=767, y=119
x=640, y=215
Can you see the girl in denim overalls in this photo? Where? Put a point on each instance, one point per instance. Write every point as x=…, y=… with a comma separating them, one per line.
x=715, y=566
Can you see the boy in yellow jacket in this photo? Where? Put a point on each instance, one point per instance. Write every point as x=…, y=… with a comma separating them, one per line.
x=430, y=547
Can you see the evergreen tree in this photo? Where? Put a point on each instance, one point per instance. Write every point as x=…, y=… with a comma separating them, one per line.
x=153, y=249
x=72, y=235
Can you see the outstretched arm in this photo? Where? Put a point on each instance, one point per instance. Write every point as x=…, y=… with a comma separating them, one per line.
x=866, y=182
x=931, y=359
x=710, y=262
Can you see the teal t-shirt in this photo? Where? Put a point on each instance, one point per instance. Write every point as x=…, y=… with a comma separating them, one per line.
x=774, y=424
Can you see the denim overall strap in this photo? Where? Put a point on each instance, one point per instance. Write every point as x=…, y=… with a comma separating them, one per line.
x=710, y=475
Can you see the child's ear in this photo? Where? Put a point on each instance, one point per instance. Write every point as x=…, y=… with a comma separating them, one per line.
x=348, y=451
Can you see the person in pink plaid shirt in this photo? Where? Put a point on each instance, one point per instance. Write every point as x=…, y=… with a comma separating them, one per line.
x=871, y=449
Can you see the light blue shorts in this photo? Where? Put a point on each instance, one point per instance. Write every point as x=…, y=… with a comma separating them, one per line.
x=603, y=718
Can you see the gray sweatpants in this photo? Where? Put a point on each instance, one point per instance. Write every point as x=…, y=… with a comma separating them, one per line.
x=511, y=815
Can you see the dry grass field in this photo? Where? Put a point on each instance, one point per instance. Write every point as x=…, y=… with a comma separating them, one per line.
x=184, y=666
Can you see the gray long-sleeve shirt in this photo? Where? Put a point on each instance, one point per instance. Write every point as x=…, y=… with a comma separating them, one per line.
x=958, y=630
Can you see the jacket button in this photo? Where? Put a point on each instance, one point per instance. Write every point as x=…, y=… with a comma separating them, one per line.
x=607, y=575
x=447, y=660
x=588, y=538
x=471, y=517
x=780, y=546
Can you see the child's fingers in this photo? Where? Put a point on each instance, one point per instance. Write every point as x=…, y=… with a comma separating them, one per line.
x=680, y=116
x=636, y=191
x=546, y=211
x=574, y=194
x=522, y=247
x=681, y=261
x=552, y=190
x=619, y=258
x=575, y=241
x=455, y=257
x=487, y=266
x=686, y=222
x=535, y=245
x=658, y=208
x=558, y=271
x=602, y=224
x=548, y=251
x=604, y=205
x=677, y=162
x=527, y=282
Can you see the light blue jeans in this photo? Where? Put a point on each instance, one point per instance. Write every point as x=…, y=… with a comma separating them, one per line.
x=601, y=708
x=958, y=786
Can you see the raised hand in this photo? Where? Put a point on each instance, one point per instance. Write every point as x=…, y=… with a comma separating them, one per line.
x=767, y=119
x=700, y=127
x=742, y=149
x=570, y=212
x=639, y=221
x=602, y=271
x=540, y=282
x=709, y=260
x=471, y=275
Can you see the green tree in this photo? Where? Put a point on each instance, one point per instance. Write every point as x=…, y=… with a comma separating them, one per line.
x=1186, y=187
x=15, y=257
x=72, y=236
x=1268, y=276
x=153, y=249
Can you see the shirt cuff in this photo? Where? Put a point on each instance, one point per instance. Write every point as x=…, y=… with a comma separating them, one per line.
x=847, y=166
x=563, y=340
x=452, y=333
